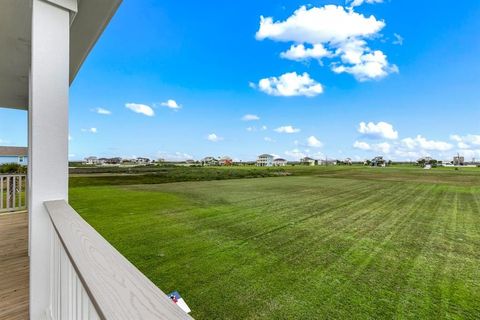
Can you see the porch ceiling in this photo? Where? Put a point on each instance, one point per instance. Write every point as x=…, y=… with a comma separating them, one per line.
x=15, y=37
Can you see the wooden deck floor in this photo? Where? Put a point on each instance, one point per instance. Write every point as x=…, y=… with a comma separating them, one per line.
x=14, y=266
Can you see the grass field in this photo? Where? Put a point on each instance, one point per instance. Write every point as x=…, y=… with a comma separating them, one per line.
x=334, y=243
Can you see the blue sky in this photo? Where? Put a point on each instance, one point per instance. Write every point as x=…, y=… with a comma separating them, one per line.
x=398, y=78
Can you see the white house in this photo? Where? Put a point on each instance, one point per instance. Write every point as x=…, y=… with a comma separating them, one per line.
x=309, y=161
x=141, y=160
x=43, y=44
x=265, y=160
x=210, y=161
x=18, y=155
x=92, y=160
x=279, y=162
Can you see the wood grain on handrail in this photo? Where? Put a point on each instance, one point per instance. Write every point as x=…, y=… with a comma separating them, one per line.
x=116, y=287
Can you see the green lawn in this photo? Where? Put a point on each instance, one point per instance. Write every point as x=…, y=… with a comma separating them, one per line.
x=336, y=243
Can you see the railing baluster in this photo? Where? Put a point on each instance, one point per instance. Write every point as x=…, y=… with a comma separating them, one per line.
x=13, y=192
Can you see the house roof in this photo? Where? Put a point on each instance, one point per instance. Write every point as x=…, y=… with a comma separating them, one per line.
x=280, y=159
x=265, y=156
x=14, y=151
x=15, y=36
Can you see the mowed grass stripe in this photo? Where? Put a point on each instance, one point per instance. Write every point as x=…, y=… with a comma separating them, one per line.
x=302, y=247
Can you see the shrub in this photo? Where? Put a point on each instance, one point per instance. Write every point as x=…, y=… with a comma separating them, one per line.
x=12, y=168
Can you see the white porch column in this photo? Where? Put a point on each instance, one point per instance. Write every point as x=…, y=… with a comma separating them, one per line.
x=48, y=137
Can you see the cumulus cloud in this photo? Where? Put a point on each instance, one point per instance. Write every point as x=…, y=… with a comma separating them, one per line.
x=290, y=84
x=420, y=142
x=103, y=111
x=250, y=117
x=214, y=138
x=295, y=154
x=362, y=145
x=334, y=32
x=287, y=129
x=383, y=147
x=378, y=130
x=466, y=142
x=299, y=52
x=373, y=65
x=356, y=3
x=171, y=104
x=313, y=142
x=140, y=108
x=90, y=130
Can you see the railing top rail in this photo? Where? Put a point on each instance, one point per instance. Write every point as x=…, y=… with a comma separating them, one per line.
x=116, y=287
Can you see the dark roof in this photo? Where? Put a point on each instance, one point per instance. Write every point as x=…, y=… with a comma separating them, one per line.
x=14, y=151
x=265, y=155
x=280, y=159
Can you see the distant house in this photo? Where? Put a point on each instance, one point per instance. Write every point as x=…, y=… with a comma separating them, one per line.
x=307, y=161
x=209, y=161
x=328, y=162
x=17, y=155
x=91, y=160
x=225, y=161
x=190, y=161
x=279, y=162
x=141, y=160
x=116, y=160
x=378, y=162
x=264, y=160
x=458, y=160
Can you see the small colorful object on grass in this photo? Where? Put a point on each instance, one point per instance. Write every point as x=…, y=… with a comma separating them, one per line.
x=178, y=300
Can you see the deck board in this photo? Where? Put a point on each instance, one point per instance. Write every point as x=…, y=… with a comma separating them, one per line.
x=14, y=266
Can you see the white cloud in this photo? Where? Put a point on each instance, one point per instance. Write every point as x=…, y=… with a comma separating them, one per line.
x=313, y=142
x=378, y=130
x=361, y=145
x=334, y=32
x=103, y=111
x=251, y=129
x=422, y=143
x=172, y=104
x=373, y=65
x=398, y=39
x=250, y=117
x=465, y=142
x=383, y=147
x=299, y=52
x=214, y=138
x=268, y=139
x=70, y=138
x=290, y=84
x=263, y=128
x=90, y=130
x=140, y=108
x=356, y=3
x=287, y=129
x=295, y=154
x=328, y=24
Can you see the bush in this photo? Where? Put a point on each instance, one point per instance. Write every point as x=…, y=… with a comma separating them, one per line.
x=12, y=168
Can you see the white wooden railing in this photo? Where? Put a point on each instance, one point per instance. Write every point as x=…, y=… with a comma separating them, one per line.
x=90, y=279
x=13, y=195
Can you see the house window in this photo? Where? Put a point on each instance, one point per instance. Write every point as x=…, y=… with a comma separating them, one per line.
x=21, y=159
